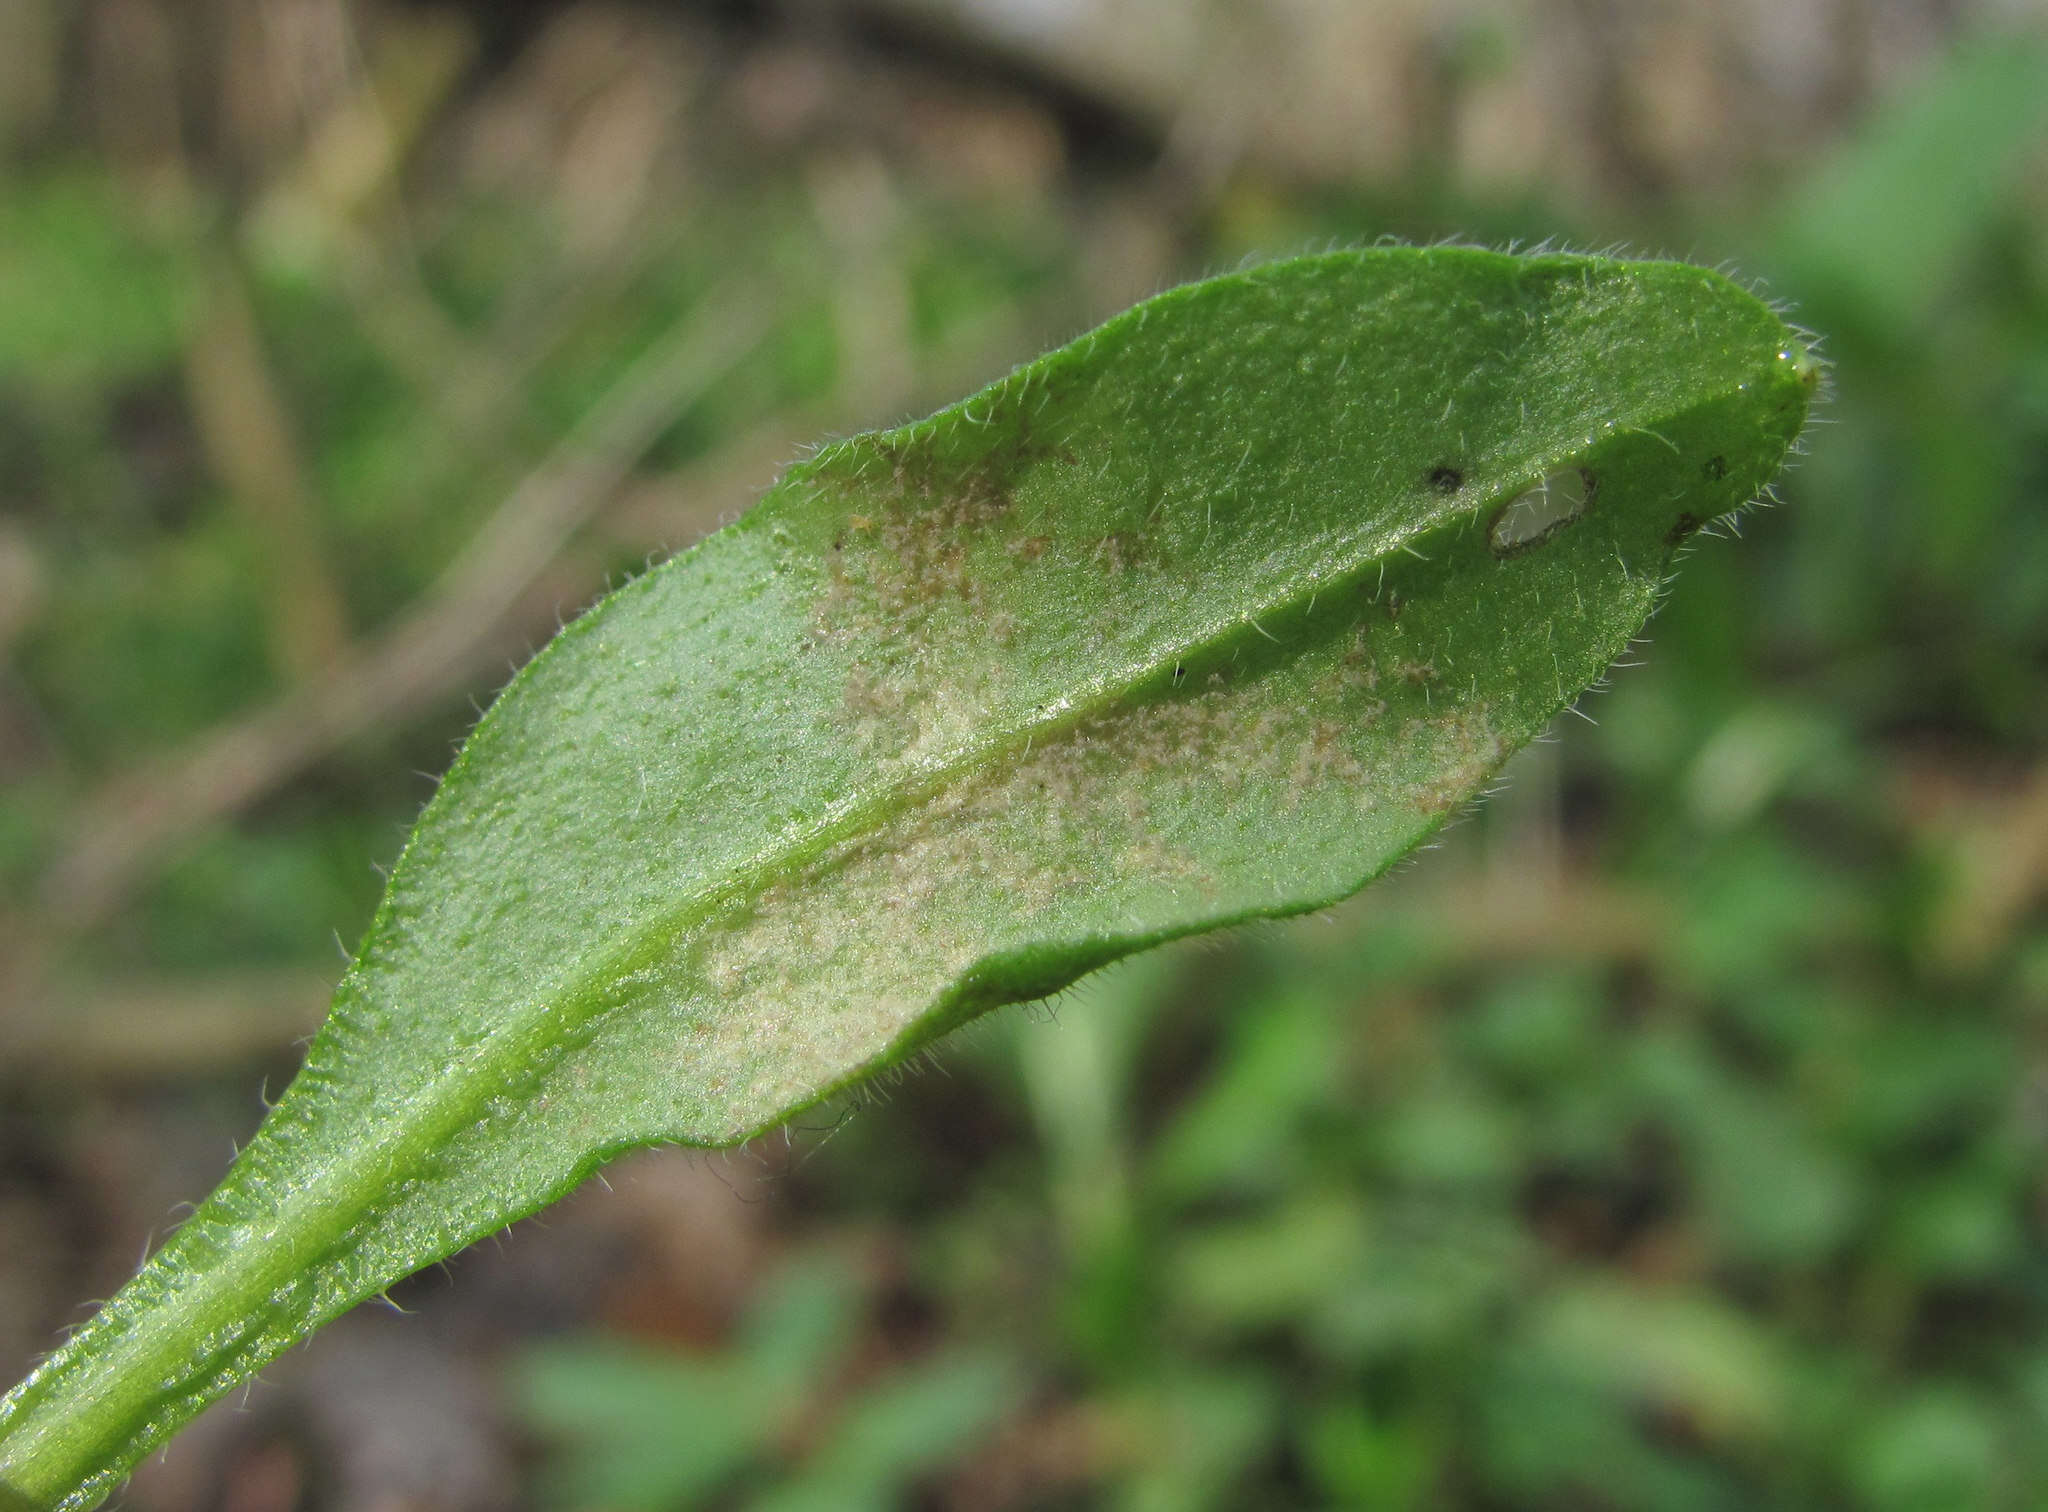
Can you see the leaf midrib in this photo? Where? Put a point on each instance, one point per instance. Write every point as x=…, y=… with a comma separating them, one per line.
x=579, y=1000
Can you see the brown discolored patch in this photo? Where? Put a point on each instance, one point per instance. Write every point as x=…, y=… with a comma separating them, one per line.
x=906, y=563
x=1463, y=748
x=892, y=565
x=1323, y=755
x=1117, y=553
x=878, y=708
x=1013, y=851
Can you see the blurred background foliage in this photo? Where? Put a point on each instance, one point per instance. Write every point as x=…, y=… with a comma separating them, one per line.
x=1671, y=1138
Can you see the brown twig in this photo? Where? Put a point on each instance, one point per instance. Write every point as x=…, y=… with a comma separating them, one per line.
x=247, y=433
x=160, y=1030
x=1997, y=869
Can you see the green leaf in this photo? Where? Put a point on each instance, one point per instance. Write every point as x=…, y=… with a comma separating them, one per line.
x=87, y=296
x=1210, y=616
x=898, y=1429
x=1883, y=226
x=651, y=1428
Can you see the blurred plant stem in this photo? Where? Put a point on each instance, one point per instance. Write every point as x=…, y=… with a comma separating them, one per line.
x=247, y=431
x=1077, y=1071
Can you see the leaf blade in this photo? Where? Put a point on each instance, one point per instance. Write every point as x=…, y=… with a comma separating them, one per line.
x=1209, y=616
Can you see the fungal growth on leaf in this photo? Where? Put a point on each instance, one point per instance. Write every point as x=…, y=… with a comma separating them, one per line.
x=1209, y=616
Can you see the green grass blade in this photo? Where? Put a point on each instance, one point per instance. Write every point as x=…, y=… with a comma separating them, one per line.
x=1210, y=616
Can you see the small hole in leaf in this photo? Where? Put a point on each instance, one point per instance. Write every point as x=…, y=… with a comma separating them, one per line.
x=1536, y=514
x=1445, y=478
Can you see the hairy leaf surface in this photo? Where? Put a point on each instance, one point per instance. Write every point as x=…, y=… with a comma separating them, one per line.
x=1209, y=616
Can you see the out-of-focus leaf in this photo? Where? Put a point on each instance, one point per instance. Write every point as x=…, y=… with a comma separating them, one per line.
x=1877, y=234
x=1267, y=1271
x=643, y=1428
x=1238, y=1133
x=1192, y=1437
x=1936, y=1451
x=85, y=295
x=895, y=1431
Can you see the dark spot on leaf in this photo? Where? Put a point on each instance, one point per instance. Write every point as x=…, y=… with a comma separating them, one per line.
x=1716, y=469
x=1445, y=478
x=1685, y=526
